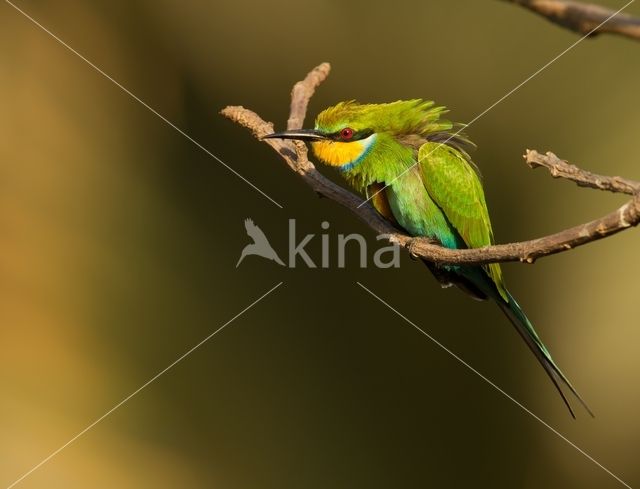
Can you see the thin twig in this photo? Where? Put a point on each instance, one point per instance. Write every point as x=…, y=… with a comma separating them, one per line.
x=303, y=91
x=561, y=169
x=583, y=18
x=295, y=156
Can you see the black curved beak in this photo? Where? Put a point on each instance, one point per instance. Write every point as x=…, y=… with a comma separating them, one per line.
x=301, y=134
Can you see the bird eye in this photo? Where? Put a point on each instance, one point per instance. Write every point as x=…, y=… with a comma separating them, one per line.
x=346, y=134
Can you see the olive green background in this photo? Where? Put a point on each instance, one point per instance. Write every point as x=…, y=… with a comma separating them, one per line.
x=119, y=239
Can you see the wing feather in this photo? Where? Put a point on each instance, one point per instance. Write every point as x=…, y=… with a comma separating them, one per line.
x=455, y=187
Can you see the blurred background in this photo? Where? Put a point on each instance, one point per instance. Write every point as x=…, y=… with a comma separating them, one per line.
x=119, y=240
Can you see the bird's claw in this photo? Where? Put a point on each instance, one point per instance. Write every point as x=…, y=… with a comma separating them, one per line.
x=411, y=248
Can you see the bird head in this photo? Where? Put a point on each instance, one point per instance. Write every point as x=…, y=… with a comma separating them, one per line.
x=349, y=133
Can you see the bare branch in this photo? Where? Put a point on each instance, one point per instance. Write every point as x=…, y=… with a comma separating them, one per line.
x=583, y=18
x=529, y=251
x=302, y=92
x=561, y=169
x=295, y=156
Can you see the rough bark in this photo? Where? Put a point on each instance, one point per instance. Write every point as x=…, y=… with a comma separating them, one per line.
x=584, y=18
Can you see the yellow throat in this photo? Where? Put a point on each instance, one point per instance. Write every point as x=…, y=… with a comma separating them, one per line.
x=336, y=153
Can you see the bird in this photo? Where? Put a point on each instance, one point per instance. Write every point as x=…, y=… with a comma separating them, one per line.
x=260, y=245
x=414, y=166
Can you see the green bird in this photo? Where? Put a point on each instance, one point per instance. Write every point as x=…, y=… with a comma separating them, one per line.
x=414, y=167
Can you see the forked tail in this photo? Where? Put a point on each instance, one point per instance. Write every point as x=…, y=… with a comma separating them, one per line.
x=524, y=327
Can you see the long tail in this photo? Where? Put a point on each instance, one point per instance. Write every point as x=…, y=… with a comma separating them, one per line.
x=524, y=327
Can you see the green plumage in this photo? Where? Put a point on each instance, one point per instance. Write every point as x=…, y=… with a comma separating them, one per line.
x=414, y=166
x=456, y=189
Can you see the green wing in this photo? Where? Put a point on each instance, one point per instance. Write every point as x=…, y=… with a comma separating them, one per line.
x=455, y=187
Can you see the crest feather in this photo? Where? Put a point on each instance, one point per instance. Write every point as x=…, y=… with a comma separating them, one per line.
x=417, y=116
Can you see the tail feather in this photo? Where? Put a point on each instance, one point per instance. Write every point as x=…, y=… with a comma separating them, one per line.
x=514, y=313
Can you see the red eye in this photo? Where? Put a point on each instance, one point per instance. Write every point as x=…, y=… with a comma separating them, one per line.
x=346, y=133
